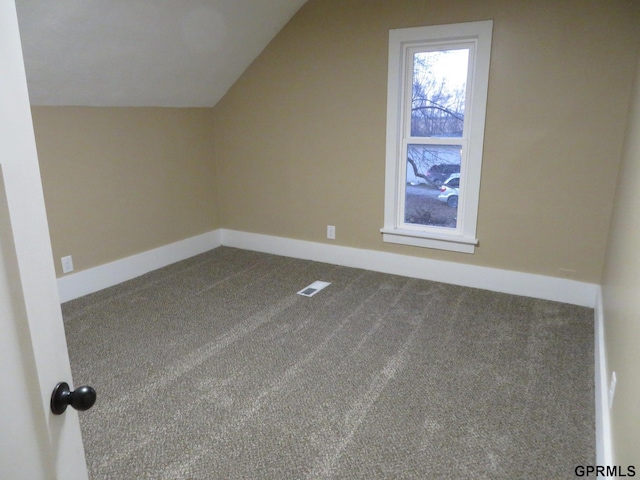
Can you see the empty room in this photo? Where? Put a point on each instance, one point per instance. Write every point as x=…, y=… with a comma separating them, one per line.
x=301, y=239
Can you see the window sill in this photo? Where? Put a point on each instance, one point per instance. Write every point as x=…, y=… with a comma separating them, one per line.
x=453, y=243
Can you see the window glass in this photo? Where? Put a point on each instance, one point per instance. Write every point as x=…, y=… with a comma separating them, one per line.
x=434, y=202
x=439, y=84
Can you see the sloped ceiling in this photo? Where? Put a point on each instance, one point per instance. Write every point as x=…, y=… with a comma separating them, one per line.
x=170, y=53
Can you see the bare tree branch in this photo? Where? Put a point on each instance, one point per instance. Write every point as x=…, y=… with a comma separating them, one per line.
x=435, y=106
x=415, y=169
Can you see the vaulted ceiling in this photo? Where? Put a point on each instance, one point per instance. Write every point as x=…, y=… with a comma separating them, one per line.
x=170, y=53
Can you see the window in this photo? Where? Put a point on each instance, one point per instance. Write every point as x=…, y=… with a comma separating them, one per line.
x=437, y=93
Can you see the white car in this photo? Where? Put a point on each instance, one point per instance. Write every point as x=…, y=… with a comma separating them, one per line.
x=452, y=182
x=449, y=195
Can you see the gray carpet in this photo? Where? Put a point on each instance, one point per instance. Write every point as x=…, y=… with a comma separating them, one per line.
x=213, y=368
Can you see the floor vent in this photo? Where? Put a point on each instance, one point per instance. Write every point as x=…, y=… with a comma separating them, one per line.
x=314, y=288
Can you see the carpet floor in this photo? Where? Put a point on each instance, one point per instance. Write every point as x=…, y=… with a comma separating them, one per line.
x=214, y=368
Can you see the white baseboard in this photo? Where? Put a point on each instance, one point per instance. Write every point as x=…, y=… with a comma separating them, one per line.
x=505, y=281
x=88, y=281
x=517, y=283
x=604, y=447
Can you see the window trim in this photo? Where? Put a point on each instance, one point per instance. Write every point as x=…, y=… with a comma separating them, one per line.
x=463, y=238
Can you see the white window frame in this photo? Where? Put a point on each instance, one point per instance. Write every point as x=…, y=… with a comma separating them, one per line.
x=402, y=42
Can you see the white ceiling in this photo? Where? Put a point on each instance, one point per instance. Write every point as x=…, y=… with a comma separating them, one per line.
x=170, y=53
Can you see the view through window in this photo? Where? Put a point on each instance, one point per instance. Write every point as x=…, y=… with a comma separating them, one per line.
x=438, y=95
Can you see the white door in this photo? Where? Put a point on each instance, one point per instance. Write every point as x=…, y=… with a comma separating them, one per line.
x=34, y=443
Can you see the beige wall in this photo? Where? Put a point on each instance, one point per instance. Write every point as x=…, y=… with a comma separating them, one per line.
x=120, y=181
x=621, y=296
x=299, y=141
x=300, y=138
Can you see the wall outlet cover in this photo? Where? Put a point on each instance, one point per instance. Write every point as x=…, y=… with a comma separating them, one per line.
x=67, y=264
x=331, y=232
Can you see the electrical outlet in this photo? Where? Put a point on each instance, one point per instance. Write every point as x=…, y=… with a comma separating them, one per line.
x=331, y=232
x=67, y=264
x=612, y=388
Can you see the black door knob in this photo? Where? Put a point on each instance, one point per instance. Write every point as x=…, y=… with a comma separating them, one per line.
x=82, y=398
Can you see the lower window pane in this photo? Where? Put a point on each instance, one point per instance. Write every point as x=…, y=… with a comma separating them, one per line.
x=432, y=185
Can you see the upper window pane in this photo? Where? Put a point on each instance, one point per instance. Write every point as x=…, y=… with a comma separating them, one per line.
x=439, y=83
